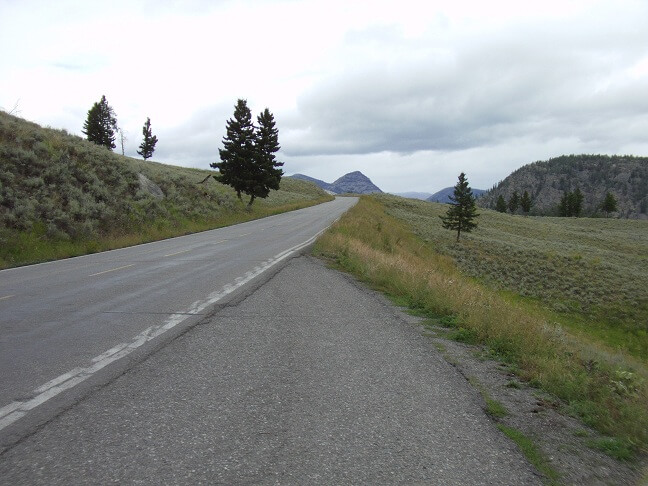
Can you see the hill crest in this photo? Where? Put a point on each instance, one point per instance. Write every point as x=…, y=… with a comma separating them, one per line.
x=354, y=182
x=626, y=177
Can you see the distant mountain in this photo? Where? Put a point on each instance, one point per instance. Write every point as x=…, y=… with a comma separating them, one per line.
x=324, y=185
x=443, y=196
x=413, y=195
x=626, y=177
x=353, y=182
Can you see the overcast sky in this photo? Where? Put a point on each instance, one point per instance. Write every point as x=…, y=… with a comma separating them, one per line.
x=411, y=93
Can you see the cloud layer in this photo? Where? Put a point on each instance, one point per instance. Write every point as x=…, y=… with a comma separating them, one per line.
x=409, y=93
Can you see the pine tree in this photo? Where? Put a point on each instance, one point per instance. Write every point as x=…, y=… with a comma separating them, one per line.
x=267, y=173
x=525, y=202
x=571, y=204
x=238, y=152
x=462, y=209
x=147, y=146
x=576, y=203
x=514, y=202
x=101, y=124
x=248, y=161
x=500, y=205
x=563, y=207
x=609, y=205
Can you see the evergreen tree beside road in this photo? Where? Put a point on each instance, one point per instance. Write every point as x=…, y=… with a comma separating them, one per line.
x=147, y=146
x=101, y=124
x=248, y=163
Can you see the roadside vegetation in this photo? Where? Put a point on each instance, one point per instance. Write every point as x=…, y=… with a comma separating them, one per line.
x=62, y=196
x=562, y=301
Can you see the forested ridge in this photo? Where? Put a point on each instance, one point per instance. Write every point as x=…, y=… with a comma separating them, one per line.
x=626, y=177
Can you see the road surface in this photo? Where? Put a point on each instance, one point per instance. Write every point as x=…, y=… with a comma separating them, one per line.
x=71, y=325
x=311, y=379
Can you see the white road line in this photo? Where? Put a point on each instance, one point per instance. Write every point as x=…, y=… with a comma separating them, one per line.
x=16, y=410
x=111, y=270
x=177, y=252
x=7, y=297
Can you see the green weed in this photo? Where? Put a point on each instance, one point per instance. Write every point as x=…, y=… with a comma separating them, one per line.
x=531, y=452
x=613, y=447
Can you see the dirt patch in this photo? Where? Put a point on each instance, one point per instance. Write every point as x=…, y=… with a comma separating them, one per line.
x=562, y=439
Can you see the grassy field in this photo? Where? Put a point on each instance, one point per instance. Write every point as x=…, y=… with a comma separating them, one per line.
x=538, y=324
x=62, y=196
x=592, y=272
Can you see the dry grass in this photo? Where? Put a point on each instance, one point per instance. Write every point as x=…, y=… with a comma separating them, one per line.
x=606, y=390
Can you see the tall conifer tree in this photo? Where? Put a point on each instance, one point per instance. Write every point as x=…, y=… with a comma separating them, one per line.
x=526, y=202
x=514, y=202
x=248, y=162
x=500, y=205
x=147, y=146
x=238, y=152
x=462, y=211
x=609, y=204
x=101, y=124
x=267, y=173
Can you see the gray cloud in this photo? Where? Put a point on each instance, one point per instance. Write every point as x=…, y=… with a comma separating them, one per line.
x=471, y=92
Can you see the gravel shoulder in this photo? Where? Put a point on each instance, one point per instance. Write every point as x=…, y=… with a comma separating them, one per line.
x=561, y=439
x=311, y=379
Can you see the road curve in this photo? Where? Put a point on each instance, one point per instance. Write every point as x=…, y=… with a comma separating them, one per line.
x=71, y=322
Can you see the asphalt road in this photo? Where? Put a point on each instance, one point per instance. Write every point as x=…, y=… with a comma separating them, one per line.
x=69, y=326
x=310, y=379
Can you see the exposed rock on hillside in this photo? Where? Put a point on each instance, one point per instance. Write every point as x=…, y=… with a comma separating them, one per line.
x=626, y=177
x=150, y=187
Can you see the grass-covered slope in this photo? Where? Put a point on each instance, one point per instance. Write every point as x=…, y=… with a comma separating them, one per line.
x=571, y=321
x=61, y=196
x=592, y=272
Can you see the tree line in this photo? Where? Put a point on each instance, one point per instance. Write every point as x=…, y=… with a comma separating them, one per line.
x=514, y=203
x=571, y=203
x=248, y=162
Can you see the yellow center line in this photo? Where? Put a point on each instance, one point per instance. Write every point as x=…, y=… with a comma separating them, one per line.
x=7, y=297
x=177, y=252
x=112, y=270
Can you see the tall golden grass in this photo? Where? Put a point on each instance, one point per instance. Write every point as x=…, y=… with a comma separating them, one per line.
x=607, y=391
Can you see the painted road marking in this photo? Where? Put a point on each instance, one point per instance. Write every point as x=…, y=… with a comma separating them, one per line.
x=111, y=270
x=7, y=297
x=177, y=252
x=17, y=409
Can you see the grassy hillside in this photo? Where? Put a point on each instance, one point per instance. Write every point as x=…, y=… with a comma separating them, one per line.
x=61, y=196
x=572, y=317
x=626, y=177
x=592, y=272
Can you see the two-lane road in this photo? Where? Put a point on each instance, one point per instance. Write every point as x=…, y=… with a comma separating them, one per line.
x=63, y=322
